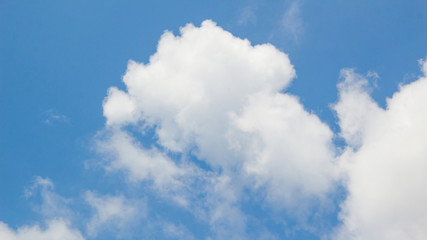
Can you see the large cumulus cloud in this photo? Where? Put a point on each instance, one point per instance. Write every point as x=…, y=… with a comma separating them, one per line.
x=217, y=97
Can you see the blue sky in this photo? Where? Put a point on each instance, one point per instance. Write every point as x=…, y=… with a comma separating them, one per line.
x=202, y=140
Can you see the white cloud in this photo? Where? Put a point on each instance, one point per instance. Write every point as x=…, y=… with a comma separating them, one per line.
x=387, y=173
x=112, y=213
x=214, y=96
x=194, y=81
x=55, y=230
x=120, y=108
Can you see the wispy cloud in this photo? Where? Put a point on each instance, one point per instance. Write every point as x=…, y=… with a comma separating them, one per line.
x=50, y=204
x=247, y=15
x=113, y=213
x=292, y=22
x=51, y=116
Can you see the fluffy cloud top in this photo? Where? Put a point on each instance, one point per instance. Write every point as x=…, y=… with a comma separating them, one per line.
x=387, y=172
x=193, y=83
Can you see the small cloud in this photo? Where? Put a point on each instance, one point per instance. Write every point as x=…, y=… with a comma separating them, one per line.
x=374, y=77
x=43, y=183
x=51, y=116
x=292, y=22
x=48, y=203
x=372, y=74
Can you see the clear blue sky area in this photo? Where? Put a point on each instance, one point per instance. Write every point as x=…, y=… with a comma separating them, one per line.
x=58, y=59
